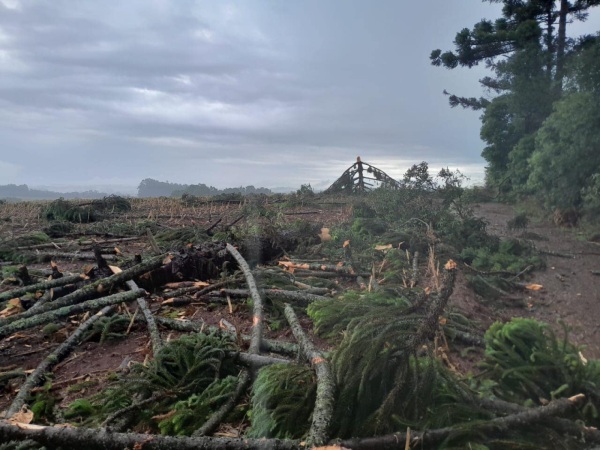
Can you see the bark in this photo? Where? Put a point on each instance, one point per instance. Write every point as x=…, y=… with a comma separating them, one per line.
x=42, y=286
x=256, y=362
x=414, y=277
x=91, y=290
x=257, y=318
x=38, y=246
x=561, y=425
x=429, y=325
x=17, y=373
x=432, y=438
x=561, y=41
x=203, y=291
x=101, y=439
x=344, y=270
x=150, y=322
x=48, y=295
x=37, y=376
x=110, y=241
x=65, y=311
x=155, y=248
x=84, y=256
x=318, y=434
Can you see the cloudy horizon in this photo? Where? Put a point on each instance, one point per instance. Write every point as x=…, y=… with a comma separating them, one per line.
x=270, y=94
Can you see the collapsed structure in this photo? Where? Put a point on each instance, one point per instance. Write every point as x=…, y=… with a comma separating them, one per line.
x=362, y=177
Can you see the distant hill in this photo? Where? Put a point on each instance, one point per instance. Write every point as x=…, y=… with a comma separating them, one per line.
x=23, y=192
x=154, y=188
x=147, y=188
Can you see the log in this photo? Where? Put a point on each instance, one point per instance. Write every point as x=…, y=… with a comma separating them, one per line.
x=257, y=318
x=52, y=359
x=432, y=438
x=152, y=328
x=318, y=434
x=102, y=439
x=186, y=290
x=42, y=286
x=255, y=362
x=84, y=256
x=345, y=270
x=57, y=314
x=109, y=241
x=90, y=290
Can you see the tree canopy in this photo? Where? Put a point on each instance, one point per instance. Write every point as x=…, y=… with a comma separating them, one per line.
x=531, y=123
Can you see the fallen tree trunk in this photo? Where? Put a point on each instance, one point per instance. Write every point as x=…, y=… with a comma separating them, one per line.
x=344, y=270
x=318, y=433
x=432, y=438
x=152, y=328
x=65, y=311
x=257, y=318
x=95, y=288
x=42, y=286
x=102, y=439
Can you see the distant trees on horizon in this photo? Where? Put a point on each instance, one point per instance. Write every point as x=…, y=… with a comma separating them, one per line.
x=149, y=187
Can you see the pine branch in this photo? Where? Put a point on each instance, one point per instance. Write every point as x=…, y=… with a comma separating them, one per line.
x=150, y=322
x=90, y=290
x=102, y=439
x=432, y=438
x=42, y=286
x=211, y=424
x=65, y=311
x=255, y=343
x=257, y=318
x=324, y=403
x=52, y=359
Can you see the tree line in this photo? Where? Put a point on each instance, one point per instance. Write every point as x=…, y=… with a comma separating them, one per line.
x=154, y=188
x=540, y=118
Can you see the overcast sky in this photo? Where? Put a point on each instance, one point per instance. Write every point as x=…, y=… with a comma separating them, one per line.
x=228, y=93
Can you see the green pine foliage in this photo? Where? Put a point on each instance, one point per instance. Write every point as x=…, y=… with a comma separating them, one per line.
x=188, y=414
x=191, y=369
x=332, y=317
x=512, y=255
x=67, y=211
x=283, y=398
x=530, y=364
x=79, y=409
x=386, y=379
x=107, y=328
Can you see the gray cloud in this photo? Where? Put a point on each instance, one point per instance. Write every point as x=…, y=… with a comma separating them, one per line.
x=229, y=93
